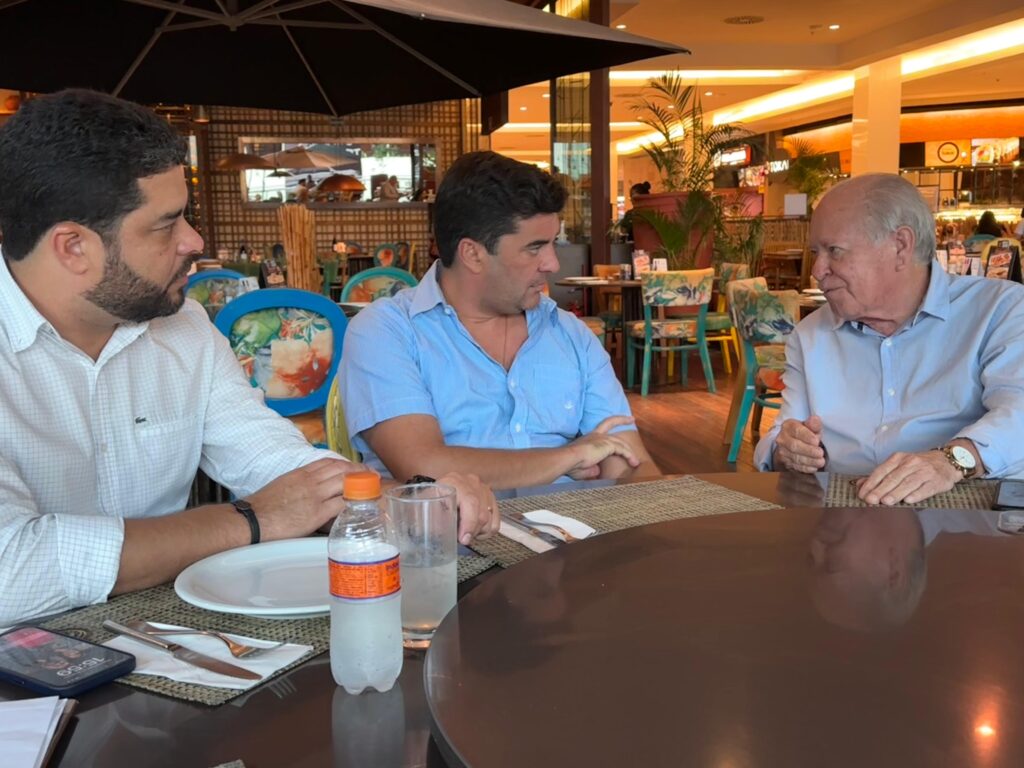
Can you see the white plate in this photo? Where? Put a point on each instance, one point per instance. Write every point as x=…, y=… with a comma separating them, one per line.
x=276, y=580
x=354, y=304
x=580, y=279
x=813, y=291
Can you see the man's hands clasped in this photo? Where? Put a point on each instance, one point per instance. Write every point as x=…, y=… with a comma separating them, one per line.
x=591, y=449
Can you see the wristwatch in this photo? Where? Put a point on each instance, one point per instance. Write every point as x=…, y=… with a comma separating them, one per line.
x=960, y=458
x=244, y=508
x=416, y=479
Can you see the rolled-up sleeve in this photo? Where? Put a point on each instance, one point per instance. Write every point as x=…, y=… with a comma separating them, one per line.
x=51, y=562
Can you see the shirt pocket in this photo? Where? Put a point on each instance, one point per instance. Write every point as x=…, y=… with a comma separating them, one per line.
x=556, y=401
x=171, y=448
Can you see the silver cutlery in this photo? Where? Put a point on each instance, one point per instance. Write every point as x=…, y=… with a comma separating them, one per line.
x=238, y=650
x=568, y=538
x=181, y=653
x=521, y=525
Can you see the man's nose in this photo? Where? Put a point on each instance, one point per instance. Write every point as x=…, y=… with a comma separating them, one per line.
x=549, y=260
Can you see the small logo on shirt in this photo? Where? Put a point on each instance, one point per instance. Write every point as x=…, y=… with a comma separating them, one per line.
x=140, y=419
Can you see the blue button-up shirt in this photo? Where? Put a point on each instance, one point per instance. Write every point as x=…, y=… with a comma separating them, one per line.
x=411, y=354
x=955, y=369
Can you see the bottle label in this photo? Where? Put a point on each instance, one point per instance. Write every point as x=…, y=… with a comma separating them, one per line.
x=364, y=581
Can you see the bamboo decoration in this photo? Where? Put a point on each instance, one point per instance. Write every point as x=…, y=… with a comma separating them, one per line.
x=298, y=233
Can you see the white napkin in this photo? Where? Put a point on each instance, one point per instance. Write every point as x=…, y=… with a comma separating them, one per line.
x=153, y=661
x=573, y=526
x=528, y=540
x=26, y=729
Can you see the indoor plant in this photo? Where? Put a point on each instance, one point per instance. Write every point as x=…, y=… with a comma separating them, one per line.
x=679, y=224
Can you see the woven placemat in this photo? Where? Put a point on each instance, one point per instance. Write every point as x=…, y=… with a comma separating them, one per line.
x=161, y=604
x=623, y=506
x=969, y=494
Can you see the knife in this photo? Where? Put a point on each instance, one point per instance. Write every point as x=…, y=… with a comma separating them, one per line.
x=519, y=525
x=182, y=653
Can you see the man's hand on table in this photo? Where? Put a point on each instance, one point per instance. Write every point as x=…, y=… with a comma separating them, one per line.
x=478, y=509
x=909, y=477
x=798, y=446
x=303, y=500
x=591, y=449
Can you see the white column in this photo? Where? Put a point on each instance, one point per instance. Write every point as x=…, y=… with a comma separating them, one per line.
x=876, y=117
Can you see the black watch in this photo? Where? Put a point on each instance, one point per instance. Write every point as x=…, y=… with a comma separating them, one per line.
x=244, y=508
x=419, y=479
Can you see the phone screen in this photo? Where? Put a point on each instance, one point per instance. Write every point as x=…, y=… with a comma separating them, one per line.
x=57, y=661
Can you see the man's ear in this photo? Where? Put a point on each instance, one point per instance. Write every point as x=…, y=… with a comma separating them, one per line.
x=905, y=244
x=75, y=247
x=471, y=255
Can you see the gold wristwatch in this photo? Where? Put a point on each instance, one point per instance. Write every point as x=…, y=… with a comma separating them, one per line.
x=960, y=458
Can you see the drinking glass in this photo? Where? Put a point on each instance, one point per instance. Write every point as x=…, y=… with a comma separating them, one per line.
x=625, y=271
x=424, y=518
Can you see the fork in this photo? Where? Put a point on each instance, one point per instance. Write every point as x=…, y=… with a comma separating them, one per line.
x=238, y=650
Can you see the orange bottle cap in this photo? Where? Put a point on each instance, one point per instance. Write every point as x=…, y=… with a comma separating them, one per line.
x=361, y=485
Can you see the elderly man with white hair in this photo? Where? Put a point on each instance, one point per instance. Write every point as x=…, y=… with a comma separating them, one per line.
x=909, y=376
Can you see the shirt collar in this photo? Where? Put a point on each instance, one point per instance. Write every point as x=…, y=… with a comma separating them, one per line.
x=935, y=302
x=21, y=319
x=428, y=295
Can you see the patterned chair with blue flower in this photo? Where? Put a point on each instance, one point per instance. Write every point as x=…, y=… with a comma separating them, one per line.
x=687, y=288
x=763, y=319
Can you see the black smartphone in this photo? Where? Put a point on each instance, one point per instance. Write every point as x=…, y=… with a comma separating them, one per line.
x=1010, y=495
x=58, y=665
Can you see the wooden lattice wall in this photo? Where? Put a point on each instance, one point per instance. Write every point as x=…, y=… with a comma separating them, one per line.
x=452, y=125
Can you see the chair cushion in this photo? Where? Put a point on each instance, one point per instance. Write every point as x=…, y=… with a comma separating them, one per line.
x=666, y=329
x=595, y=324
x=771, y=361
x=717, y=321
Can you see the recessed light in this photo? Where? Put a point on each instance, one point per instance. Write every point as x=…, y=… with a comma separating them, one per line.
x=620, y=26
x=833, y=27
x=709, y=93
x=522, y=109
x=744, y=20
x=546, y=95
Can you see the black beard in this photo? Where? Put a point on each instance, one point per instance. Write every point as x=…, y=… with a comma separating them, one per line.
x=130, y=297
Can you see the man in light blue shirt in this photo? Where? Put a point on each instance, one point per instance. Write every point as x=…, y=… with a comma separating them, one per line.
x=476, y=367
x=910, y=376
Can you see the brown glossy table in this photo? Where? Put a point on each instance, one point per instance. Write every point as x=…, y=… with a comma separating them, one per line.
x=713, y=642
x=303, y=719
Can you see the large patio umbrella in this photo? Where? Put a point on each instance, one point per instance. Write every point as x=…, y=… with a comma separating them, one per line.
x=303, y=159
x=330, y=56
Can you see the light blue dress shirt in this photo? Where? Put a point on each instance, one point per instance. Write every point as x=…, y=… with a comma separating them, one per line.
x=955, y=369
x=411, y=354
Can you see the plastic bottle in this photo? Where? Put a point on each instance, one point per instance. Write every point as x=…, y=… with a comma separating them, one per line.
x=366, y=608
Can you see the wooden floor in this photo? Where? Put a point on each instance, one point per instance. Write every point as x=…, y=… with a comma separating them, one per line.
x=682, y=428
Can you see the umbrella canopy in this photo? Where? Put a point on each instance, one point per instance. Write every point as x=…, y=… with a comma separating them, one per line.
x=331, y=56
x=300, y=158
x=242, y=161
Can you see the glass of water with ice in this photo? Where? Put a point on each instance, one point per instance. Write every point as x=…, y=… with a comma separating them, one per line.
x=424, y=518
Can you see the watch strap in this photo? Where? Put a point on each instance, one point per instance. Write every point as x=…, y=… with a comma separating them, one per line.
x=244, y=508
x=416, y=479
x=966, y=471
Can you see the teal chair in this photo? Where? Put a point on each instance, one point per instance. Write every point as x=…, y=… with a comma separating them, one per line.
x=763, y=318
x=688, y=288
x=376, y=283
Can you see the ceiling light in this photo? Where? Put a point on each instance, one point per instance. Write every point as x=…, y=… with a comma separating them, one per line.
x=522, y=109
x=706, y=76
x=620, y=26
x=833, y=27
x=744, y=20
x=993, y=43
x=709, y=93
x=545, y=95
x=785, y=100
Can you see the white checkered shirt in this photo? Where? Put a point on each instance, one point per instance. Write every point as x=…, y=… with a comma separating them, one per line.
x=84, y=444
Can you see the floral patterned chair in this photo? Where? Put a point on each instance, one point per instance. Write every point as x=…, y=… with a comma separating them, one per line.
x=289, y=344
x=376, y=283
x=689, y=288
x=213, y=288
x=393, y=255
x=719, y=323
x=764, y=318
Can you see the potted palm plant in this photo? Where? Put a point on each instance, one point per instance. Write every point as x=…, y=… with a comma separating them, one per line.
x=810, y=172
x=679, y=224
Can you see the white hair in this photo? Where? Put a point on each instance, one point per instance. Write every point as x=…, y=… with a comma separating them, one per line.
x=891, y=202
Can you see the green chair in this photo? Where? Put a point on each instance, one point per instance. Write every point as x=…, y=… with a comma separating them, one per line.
x=337, y=430
x=763, y=318
x=689, y=288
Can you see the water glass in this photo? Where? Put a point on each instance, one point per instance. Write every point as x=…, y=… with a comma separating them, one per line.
x=424, y=517
x=625, y=271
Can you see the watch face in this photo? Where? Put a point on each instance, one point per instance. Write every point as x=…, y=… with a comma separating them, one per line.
x=963, y=457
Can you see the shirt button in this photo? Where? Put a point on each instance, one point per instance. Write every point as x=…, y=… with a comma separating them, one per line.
x=891, y=392
x=888, y=342
x=511, y=384
x=885, y=427
x=519, y=427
